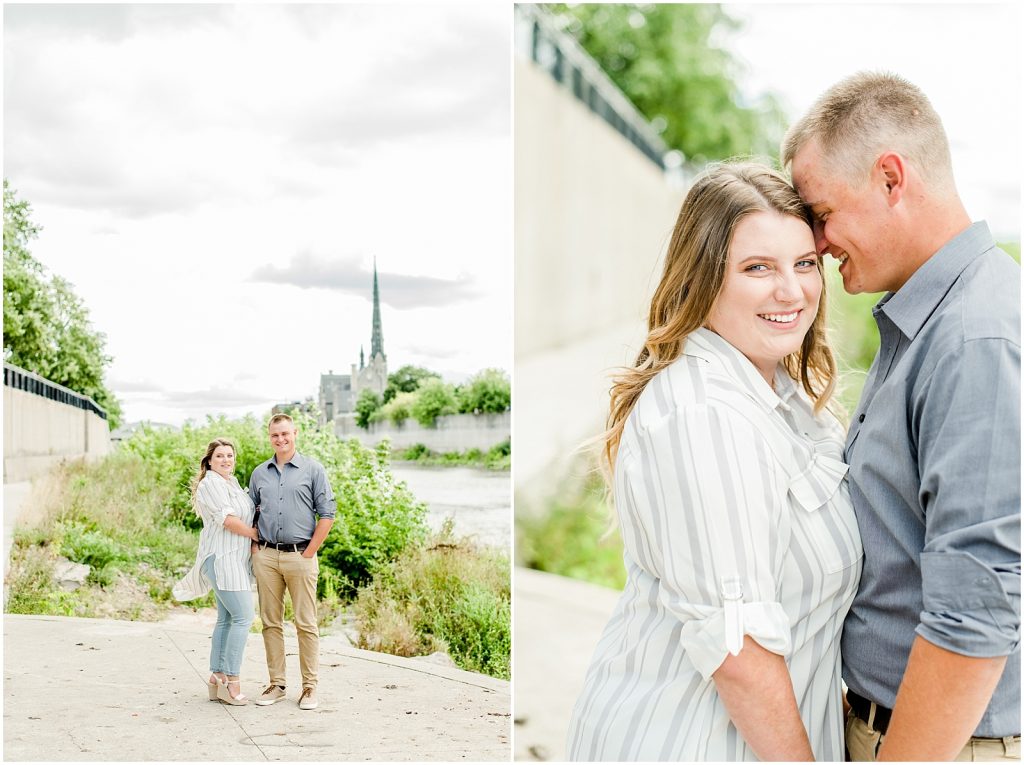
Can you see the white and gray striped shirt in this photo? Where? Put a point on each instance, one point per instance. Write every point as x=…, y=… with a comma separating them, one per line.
x=720, y=480
x=216, y=499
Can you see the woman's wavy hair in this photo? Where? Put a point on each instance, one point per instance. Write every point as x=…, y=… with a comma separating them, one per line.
x=695, y=267
x=204, y=465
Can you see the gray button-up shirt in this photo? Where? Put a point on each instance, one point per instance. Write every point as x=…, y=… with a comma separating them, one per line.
x=290, y=501
x=934, y=454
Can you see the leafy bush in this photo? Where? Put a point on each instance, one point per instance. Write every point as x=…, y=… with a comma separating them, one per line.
x=487, y=392
x=397, y=410
x=448, y=595
x=433, y=399
x=367, y=403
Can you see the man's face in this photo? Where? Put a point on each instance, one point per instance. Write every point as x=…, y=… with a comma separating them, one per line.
x=282, y=437
x=853, y=222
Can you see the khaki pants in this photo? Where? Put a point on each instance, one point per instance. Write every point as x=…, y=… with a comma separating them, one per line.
x=862, y=744
x=275, y=571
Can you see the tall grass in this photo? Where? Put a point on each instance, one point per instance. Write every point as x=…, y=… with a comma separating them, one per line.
x=448, y=595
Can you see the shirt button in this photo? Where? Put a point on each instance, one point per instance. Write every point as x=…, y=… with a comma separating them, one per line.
x=861, y=418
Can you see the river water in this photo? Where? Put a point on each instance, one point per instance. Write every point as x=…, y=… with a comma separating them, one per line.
x=480, y=501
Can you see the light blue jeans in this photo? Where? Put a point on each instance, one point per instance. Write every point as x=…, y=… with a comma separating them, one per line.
x=234, y=615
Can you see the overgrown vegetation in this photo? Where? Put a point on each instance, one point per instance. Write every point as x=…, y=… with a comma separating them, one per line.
x=498, y=457
x=449, y=595
x=376, y=517
x=113, y=517
x=129, y=518
x=574, y=537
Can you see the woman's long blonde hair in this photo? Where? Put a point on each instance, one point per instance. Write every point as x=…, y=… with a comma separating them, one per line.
x=204, y=465
x=695, y=267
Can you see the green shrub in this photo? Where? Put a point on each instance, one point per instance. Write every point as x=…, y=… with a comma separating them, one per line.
x=433, y=399
x=487, y=392
x=397, y=410
x=414, y=452
x=367, y=403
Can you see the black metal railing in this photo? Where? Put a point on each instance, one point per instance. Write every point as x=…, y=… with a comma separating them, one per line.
x=22, y=379
x=563, y=58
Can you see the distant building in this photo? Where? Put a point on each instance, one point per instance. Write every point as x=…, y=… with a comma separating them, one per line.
x=339, y=393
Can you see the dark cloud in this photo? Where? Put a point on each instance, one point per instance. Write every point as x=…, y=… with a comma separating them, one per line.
x=351, y=277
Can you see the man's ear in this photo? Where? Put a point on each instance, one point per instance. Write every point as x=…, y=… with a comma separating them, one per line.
x=891, y=170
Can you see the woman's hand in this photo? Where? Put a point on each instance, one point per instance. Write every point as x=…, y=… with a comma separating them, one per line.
x=757, y=691
x=235, y=525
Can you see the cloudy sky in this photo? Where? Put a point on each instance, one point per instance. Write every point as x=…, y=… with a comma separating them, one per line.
x=216, y=181
x=965, y=56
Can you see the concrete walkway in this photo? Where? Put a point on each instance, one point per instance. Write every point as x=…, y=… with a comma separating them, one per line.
x=98, y=689
x=558, y=622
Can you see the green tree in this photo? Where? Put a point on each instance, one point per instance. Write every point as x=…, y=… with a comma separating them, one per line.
x=367, y=403
x=662, y=56
x=47, y=329
x=434, y=399
x=406, y=380
x=488, y=391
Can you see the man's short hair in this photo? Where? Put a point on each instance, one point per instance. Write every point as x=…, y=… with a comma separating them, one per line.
x=866, y=114
x=281, y=417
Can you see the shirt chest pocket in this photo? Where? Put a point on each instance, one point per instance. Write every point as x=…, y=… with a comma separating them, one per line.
x=824, y=518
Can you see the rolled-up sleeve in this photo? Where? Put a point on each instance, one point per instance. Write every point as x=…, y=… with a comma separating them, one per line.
x=708, y=497
x=968, y=421
x=323, y=495
x=213, y=496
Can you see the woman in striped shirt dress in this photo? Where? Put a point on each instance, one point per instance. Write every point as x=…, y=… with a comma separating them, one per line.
x=741, y=547
x=223, y=564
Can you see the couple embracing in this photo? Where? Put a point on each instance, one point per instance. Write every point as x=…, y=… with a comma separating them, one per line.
x=773, y=555
x=272, y=531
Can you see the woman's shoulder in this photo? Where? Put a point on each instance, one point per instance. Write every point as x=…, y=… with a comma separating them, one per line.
x=689, y=384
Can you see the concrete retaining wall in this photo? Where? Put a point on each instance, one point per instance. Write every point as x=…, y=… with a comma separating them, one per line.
x=40, y=433
x=453, y=432
x=593, y=219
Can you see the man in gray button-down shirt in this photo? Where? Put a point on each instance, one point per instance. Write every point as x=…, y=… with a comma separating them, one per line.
x=931, y=646
x=296, y=510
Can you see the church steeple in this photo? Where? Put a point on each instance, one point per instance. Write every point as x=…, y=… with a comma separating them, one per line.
x=377, y=338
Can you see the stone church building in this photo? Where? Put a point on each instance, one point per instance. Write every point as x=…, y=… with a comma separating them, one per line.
x=339, y=393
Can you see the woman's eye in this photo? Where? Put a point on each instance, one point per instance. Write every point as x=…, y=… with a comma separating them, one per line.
x=757, y=267
x=806, y=263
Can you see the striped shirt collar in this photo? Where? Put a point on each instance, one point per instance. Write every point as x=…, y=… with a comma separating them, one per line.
x=910, y=307
x=705, y=344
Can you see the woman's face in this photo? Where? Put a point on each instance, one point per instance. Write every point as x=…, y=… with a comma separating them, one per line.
x=770, y=293
x=222, y=461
